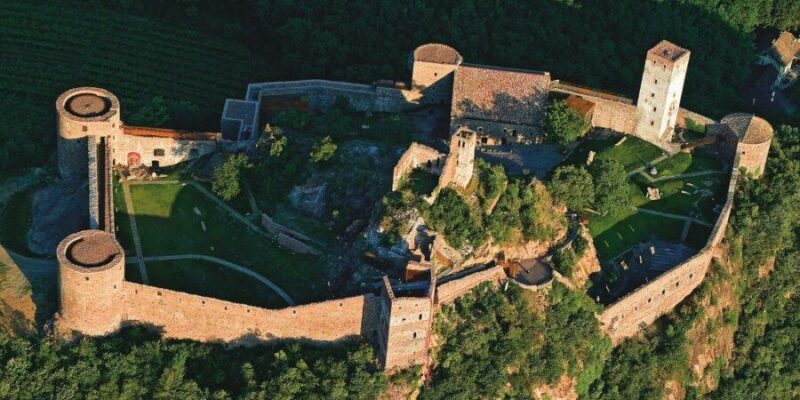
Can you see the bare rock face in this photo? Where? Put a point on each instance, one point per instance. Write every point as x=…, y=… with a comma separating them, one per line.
x=310, y=199
x=58, y=210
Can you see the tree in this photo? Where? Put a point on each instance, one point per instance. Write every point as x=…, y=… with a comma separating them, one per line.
x=573, y=185
x=563, y=124
x=323, y=150
x=227, y=176
x=153, y=113
x=612, y=190
x=455, y=219
x=492, y=179
x=277, y=146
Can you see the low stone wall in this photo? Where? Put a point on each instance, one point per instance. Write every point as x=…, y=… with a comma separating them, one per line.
x=185, y=316
x=287, y=237
x=296, y=245
x=321, y=94
x=415, y=156
x=450, y=291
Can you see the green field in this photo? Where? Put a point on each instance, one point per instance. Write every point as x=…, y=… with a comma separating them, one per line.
x=168, y=225
x=632, y=153
x=694, y=197
x=49, y=47
x=685, y=163
x=208, y=279
x=615, y=234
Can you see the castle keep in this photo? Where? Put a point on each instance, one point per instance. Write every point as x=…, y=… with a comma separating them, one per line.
x=487, y=105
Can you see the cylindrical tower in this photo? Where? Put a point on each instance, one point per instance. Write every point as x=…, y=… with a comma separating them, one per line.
x=91, y=270
x=753, y=136
x=83, y=112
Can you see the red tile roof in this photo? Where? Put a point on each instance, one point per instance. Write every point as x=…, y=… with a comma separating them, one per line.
x=500, y=94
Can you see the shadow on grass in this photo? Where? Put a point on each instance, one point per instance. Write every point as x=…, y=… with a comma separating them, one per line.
x=173, y=219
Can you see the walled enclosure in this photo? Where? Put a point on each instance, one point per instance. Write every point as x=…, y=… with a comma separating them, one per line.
x=95, y=299
x=628, y=315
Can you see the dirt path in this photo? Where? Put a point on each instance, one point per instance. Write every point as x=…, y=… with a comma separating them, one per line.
x=137, y=243
x=224, y=263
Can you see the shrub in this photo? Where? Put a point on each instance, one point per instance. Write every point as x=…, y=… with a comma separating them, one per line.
x=573, y=185
x=563, y=124
x=323, y=150
x=227, y=176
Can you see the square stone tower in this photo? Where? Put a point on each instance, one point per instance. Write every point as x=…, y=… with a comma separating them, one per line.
x=660, y=91
x=462, y=149
x=406, y=318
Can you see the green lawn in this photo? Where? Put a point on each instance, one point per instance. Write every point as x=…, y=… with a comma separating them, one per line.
x=695, y=196
x=121, y=219
x=684, y=163
x=613, y=235
x=632, y=153
x=212, y=280
x=168, y=226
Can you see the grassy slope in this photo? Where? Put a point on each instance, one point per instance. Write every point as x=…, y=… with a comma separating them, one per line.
x=168, y=225
x=15, y=222
x=212, y=280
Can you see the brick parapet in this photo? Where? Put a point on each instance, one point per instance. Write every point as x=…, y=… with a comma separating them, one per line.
x=448, y=292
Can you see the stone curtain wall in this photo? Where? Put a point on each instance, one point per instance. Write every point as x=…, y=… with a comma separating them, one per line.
x=186, y=316
x=175, y=150
x=616, y=116
x=628, y=315
x=94, y=196
x=415, y=156
x=448, y=292
x=643, y=306
x=322, y=93
x=295, y=245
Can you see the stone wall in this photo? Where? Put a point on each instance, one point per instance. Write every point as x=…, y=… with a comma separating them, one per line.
x=185, y=316
x=128, y=147
x=415, y=156
x=448, y=292
x=321, y=94
x=616, y=116
x=640, y=308
x=296, y=245
x=628, y=315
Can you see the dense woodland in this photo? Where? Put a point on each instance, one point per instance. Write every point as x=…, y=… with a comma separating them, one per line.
x=486, y=336
x=595, y=43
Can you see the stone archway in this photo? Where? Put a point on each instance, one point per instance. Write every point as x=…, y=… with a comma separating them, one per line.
x=134, y=159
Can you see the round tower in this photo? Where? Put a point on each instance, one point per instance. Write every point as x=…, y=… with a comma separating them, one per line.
x=91, y=269
x=432, y=68
x=83, y=112
x=753, y=136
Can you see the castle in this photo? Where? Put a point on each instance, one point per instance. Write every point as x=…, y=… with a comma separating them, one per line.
x=487, y=105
